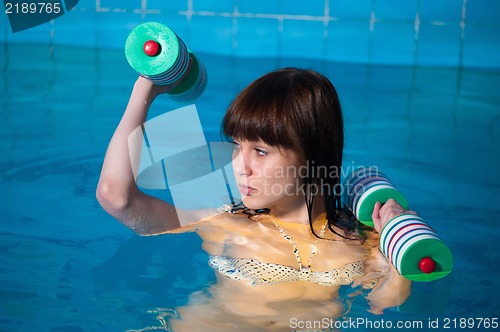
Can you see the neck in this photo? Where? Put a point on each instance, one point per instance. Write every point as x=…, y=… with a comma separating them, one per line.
x=297, y=211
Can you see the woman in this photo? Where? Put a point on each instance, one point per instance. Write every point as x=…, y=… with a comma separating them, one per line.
x=282, y=257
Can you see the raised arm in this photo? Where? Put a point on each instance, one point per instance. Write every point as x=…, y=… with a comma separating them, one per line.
x=117, y=191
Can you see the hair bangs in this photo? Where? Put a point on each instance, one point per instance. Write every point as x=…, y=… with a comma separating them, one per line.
x=258, y=115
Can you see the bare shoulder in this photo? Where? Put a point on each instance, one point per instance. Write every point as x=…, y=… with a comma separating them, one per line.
x=220, y=221
x=218, y=230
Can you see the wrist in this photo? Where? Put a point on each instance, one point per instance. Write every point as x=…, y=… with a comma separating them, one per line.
x=145, y=89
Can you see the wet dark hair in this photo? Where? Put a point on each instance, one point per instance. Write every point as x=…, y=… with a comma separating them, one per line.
x=297, y=109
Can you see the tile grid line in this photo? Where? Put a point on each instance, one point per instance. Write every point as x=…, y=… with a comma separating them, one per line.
x=324, y=18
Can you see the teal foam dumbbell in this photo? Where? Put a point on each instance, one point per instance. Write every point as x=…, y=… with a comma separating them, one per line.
x=409, y=243
x=155, y=52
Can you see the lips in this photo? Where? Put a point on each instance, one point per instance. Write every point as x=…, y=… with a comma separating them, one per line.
x=246, y=190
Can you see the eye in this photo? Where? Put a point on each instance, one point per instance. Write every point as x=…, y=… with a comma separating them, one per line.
x=261, y=153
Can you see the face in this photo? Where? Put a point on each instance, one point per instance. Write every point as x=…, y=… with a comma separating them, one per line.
x=267, y=176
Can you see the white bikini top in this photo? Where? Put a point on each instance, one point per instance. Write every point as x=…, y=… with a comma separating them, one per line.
x=255, y=272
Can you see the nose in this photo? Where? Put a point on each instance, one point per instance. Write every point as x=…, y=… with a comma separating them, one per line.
x=241, y=163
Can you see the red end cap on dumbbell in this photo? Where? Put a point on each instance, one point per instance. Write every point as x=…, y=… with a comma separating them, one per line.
x=427, y=265
x=151, y=48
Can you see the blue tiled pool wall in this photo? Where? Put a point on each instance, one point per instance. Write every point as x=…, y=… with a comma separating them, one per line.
x=447, y=33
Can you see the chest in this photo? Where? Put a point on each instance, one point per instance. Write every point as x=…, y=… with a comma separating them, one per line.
x=291, y=245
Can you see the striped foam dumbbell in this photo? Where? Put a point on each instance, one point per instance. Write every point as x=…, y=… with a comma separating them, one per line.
x=409, y=243
x=155, y=52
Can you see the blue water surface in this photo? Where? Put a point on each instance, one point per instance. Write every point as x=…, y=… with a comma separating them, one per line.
x=66, y=265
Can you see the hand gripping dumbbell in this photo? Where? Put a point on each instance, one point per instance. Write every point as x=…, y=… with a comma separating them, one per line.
x=409, y=243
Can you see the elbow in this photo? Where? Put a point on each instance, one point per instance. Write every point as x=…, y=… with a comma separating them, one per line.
x=111, y=198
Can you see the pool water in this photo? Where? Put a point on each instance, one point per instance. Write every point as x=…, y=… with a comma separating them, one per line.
x=66, y=265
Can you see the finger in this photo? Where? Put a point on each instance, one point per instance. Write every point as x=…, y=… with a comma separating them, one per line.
x=376, y=210
x=376, y=216
x=390, y=206
x=377, y=224
x=388, y=211
x=391, y=203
